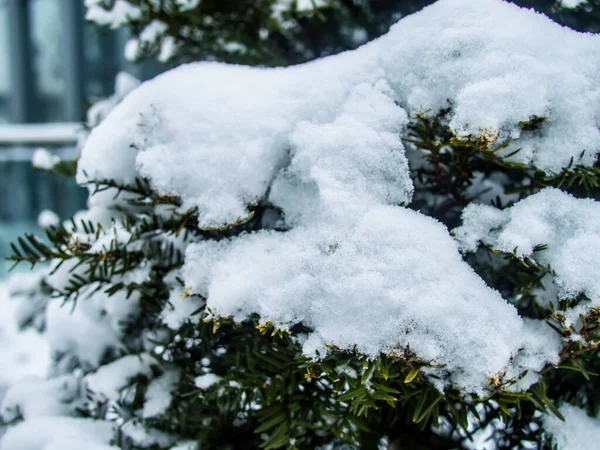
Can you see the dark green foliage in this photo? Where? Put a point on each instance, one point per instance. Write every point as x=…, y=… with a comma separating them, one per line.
x=276, y=32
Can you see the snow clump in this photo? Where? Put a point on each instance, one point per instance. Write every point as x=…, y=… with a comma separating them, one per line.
x=322, y=143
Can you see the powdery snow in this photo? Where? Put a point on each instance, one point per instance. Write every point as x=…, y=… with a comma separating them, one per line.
x=572, y=4
x=43, y=159
x=569, y=227
x=48, y=218
x=393, y=280
x=59, y=433
x=109, y=379
x=322, y=142
x=120, y=14
x=24, y=352
x=233, y=152
x=206, y=381
x=159, y=393
x=579, y=432
x=232, y=129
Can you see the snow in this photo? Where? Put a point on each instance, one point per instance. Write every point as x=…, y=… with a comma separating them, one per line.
x=59, y=433
x=78, y=332
x=572, y=4
x=168, y=49
x=153, y=31
x=92, y=327
x=31, y=398
x=24, y=153
x=206, y=381
x=43, y=159
x=234, y=129
x=280, y=7
x=579, y=432
x=109, y=379
x=48, y=218
x=541, y=346
x=53, y=133
x=186, y=5
x=322, y=143
x=393, y=280
x=186, y=445
x=159, y=393
x=180, y=307
x=124, y=84
x=152, y=34
x=144, y=437
x=115, y=237
x=24, y=353
x=569, y=227
x=266, y=110
x=131, y=50
x=120, y=14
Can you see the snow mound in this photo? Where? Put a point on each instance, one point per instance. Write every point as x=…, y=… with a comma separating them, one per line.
x=218, y=135
x=568, y=226
x=322, y=142
x=392, y=281
x=578, y=432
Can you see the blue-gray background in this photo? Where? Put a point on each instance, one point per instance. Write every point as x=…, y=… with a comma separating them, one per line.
x=53, y=65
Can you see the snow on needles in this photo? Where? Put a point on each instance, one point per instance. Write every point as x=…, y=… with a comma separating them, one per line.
x=393, y=280
x=322, y=142
x=578, y=432
x=231, y=129
x=568, y=226
x=64, y=433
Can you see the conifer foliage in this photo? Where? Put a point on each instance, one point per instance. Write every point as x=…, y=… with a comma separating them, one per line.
x=394, y=247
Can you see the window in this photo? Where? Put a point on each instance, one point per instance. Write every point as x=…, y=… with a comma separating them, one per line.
x=4, y=64
x=47, y=27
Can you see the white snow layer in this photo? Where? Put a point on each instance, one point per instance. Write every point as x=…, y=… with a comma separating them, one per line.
x=59, y=433
x=110, y=379
x=206, y=381
x=569, y=227
x=322, y=141
x=159, y=393
x=393, y=280
x=120, y=14
x=572, y=4
x=43, y=159
x=578, y=432
x=24, y=353
x=218, y=134
x=48, y=218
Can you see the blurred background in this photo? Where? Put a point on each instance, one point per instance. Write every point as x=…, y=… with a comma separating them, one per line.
x=53, y=66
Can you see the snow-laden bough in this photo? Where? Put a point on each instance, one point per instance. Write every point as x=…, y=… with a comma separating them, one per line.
x=323, y=143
